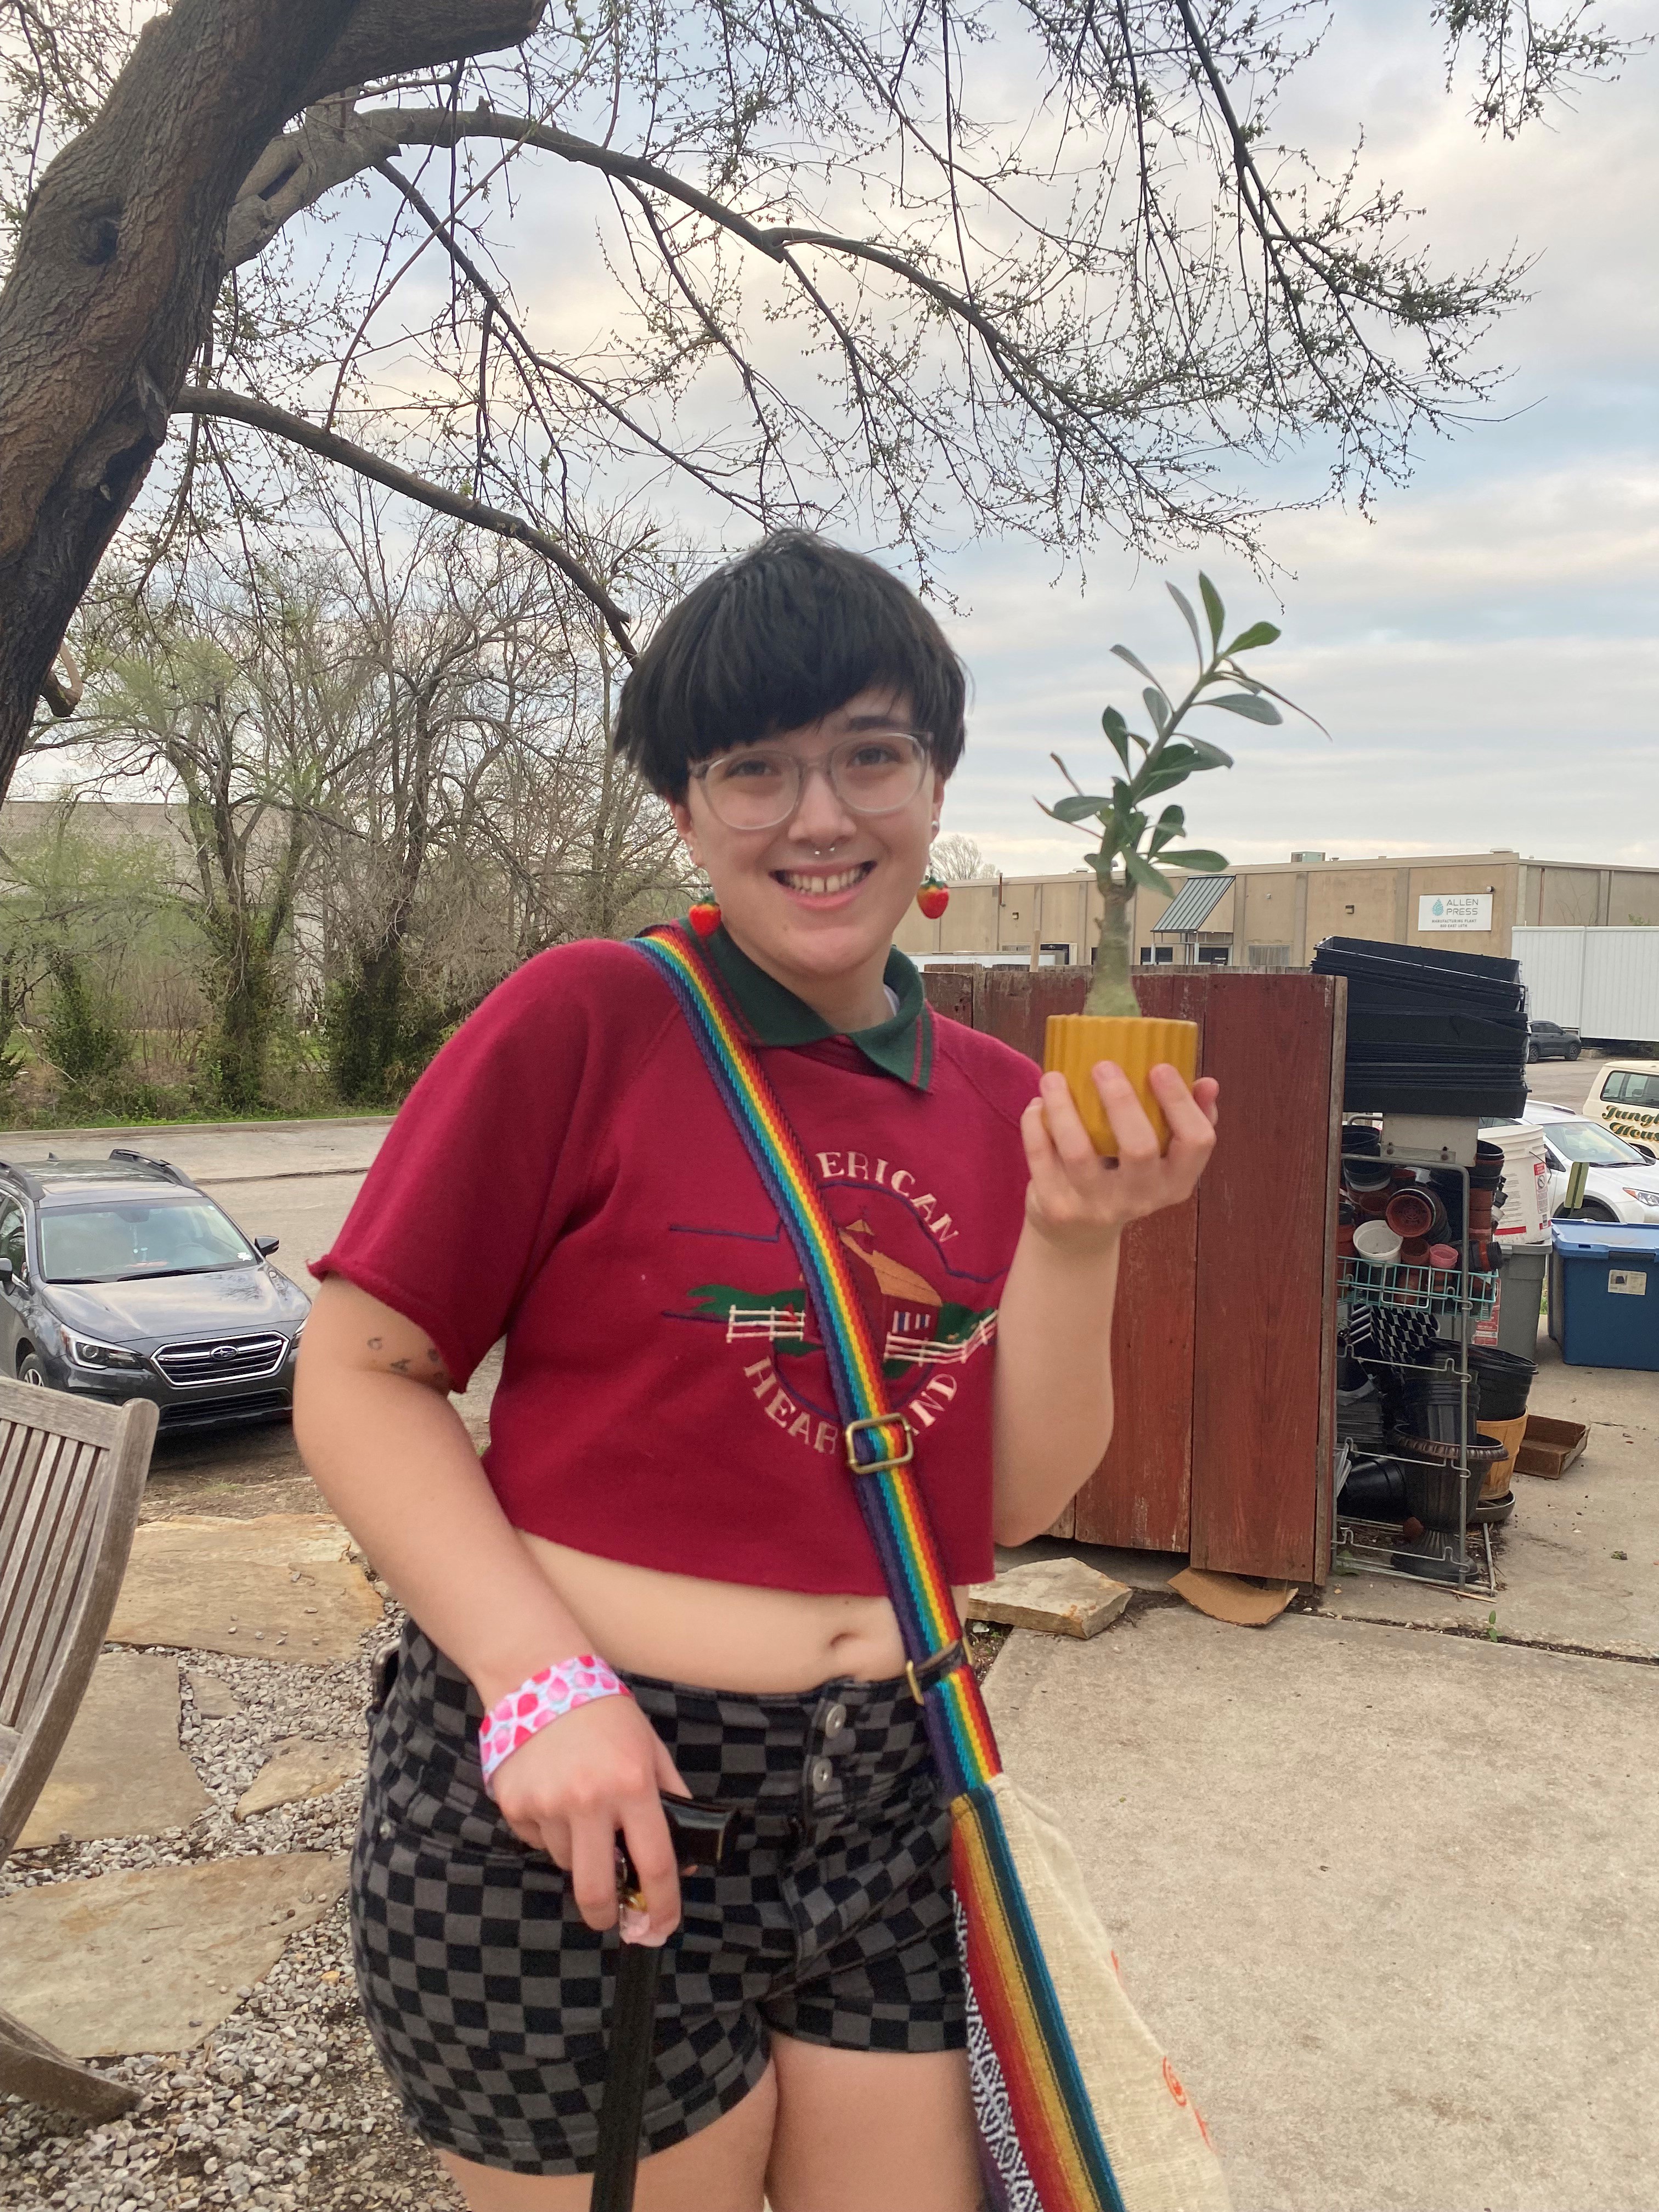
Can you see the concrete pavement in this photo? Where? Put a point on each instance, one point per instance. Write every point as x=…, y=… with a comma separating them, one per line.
x=1386, y=1896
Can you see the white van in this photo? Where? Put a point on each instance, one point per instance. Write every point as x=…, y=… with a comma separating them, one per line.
x=1625, y=1095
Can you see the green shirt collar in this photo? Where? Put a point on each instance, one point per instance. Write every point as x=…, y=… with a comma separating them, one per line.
x=903, y=1045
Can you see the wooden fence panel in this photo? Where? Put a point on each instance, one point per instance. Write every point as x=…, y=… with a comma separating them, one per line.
x=1266, y=1253
x=1223, y=1344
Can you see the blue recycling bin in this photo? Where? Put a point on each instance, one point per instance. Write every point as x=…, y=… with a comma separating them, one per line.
x=1604, y=1294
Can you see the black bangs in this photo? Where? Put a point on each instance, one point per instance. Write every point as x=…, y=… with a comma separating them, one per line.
x=779, y=638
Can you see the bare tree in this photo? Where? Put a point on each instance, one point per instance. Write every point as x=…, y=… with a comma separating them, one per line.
x=957, y=859
x=1060, y=324
x=246, y=706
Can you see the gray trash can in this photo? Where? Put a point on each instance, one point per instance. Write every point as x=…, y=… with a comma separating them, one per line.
x=1520, y=1293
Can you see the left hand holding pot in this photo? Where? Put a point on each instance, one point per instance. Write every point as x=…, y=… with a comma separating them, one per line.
x=1079, y=1200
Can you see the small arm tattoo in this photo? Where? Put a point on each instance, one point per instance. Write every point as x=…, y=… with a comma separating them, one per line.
x=399, y=1366
x=375, y=1342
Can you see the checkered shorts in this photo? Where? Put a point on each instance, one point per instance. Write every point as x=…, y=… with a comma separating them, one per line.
x=487, y=1996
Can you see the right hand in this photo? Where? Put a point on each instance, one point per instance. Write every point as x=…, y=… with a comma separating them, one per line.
x=579, y=1780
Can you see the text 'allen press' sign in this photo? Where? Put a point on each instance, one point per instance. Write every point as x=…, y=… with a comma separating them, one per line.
x=1454, y=910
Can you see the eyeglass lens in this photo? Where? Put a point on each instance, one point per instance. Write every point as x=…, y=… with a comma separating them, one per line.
x=757, y=786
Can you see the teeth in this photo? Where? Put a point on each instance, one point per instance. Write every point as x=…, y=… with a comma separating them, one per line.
x=842, y=882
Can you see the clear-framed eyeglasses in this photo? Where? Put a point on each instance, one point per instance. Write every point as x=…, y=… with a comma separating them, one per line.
x=757, y=786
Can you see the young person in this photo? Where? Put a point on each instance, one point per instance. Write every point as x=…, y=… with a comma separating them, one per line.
x=665, y=1491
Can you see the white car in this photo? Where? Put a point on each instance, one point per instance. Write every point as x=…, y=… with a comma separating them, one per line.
x=1623, y=1183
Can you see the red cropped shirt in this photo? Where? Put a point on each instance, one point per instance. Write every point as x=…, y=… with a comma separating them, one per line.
x=565, y=1174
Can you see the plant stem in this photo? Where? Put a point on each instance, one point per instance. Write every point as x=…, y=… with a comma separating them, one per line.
x=1111, y=991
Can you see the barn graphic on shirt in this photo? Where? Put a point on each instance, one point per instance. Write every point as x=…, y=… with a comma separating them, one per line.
x=917, y=1327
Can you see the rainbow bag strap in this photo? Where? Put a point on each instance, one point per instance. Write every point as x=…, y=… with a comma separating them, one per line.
x=1025, y=2068
x=879, y=1441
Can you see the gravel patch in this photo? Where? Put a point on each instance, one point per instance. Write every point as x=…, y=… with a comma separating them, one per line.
x=285, y=2105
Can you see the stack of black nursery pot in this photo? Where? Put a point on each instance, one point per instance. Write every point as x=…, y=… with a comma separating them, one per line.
x=1436, y=1041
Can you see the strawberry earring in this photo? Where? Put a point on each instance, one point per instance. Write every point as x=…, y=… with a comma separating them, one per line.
x=704, y=917
x=932, y=898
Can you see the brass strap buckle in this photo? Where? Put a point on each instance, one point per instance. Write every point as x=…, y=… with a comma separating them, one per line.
x=879, y=1465
x=934, y=1669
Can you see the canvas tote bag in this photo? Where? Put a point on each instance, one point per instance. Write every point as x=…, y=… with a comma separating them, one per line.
x=1077, y=2109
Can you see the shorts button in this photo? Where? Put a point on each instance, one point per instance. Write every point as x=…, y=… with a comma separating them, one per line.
x=835, y=1720
x=386, y=1830
x=821, y=1774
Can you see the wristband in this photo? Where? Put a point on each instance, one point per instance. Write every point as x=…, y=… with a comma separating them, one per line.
x=548, y=1696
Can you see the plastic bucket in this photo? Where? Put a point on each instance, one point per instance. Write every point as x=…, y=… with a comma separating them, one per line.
x=1520, y=1293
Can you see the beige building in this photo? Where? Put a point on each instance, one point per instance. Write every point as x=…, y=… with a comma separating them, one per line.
x=1273, y=914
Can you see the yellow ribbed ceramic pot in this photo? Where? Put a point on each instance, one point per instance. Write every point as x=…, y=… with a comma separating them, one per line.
x=1074, y=1043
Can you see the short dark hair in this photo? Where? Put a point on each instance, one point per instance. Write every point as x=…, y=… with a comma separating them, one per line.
x=780, y=637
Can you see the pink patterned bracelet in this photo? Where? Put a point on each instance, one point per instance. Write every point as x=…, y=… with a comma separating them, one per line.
x=548, y=1696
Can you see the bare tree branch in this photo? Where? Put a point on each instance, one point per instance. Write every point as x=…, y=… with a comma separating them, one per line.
x=277, y=423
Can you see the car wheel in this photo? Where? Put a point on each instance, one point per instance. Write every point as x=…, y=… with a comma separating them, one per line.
x=1573, y=1051
x=29, y=1370
x=1532, y=1052
x=1593, y=1210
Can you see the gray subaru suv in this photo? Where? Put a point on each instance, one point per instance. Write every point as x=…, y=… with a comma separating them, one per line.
x=119, y=1279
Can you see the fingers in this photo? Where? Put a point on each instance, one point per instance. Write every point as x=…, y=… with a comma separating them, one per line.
x=594, y=1869
x=1137, y=1139
x=652, y=1850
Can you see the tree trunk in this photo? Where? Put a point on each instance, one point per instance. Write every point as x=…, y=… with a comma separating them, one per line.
x=1111, y=991
x=119, y=259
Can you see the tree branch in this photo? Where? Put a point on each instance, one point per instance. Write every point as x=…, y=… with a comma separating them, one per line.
x=277, y=423
x=393, y=37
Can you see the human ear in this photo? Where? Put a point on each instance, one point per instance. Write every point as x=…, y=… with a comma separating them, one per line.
x=681, y=811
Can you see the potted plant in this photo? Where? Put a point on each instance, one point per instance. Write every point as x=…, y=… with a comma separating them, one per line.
x=1132, y=845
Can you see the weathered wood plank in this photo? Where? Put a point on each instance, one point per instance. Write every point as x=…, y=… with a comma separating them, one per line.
x=1265, y=1238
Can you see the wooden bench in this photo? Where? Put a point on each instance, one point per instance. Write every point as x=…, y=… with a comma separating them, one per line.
x=71, y=1474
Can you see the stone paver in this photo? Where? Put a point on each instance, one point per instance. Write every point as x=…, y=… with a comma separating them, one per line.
x=121, y=1771
x=280, y=1586
x=1056, y=1597
x=298, y=1769
x=155, y=1960
x=215, y=1700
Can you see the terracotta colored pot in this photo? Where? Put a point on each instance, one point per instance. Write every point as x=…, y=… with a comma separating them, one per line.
x=1411, y=1213
x=1074, y=1043
x=1509, y=1434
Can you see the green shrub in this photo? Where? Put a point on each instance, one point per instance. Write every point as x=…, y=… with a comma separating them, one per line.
x=83, y=1037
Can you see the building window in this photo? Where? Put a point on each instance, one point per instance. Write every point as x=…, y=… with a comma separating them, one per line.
x=1268, y=956
x=1213, y=955
x=1157, y=955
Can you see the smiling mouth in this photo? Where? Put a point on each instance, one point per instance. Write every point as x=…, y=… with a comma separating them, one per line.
x=824, y=885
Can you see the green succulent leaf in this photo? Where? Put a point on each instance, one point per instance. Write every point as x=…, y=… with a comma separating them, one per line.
x=1204, y=864
x=1117, y=733
x=1080, y=807
x=1188, y=617
x=1248, y=703
x=1212, y=606
x=1261, y=633
x=1142, y=871
x=1164, y=777
x=1159, y=707
x=1205, y=755
x=1134, y=661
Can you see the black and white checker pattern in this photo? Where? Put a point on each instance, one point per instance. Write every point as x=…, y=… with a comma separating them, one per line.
x=486, y=1996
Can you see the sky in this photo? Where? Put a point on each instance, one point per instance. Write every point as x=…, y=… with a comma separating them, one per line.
x=1483, y=648
x=1480, y=646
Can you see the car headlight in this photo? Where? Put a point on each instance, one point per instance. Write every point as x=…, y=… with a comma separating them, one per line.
x=86, y=1351
x=1642, y=1197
